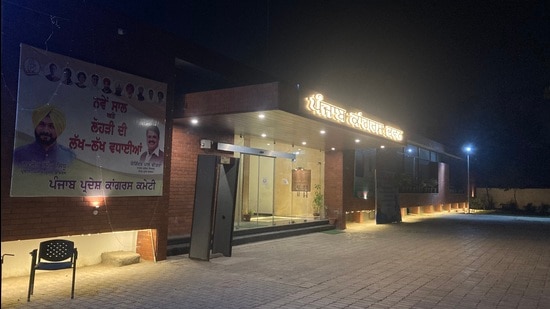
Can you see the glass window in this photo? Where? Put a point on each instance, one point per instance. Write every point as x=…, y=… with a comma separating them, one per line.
x=433, y=156
x=363, y=185
x=424, y=154
x=411, y=151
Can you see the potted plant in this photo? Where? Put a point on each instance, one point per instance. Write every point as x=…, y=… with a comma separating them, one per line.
x=247, y=214
x=318, y=201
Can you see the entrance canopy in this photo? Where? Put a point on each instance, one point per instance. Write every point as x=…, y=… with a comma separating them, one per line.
x=279, y=113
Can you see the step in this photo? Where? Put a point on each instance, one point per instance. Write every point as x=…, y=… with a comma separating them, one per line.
x=120, y=258
x=269, y=235
x=180, y=245
x=282, y=227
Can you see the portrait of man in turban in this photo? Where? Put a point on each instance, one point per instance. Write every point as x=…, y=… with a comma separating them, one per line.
x=45, y=155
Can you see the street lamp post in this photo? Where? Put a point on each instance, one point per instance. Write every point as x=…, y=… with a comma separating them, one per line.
x=468, y=150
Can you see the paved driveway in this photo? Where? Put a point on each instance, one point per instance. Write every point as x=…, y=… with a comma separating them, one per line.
x=447, y=260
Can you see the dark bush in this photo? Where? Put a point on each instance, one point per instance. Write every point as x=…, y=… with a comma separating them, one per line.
x=476, y=203
x=544, y=210
x=530, y=208
x=510, y=206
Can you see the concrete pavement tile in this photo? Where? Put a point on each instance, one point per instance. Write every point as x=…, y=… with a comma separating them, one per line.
x=435, y=261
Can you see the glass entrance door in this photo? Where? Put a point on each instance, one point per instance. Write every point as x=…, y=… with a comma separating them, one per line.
x=256, y=191
x=267, y=193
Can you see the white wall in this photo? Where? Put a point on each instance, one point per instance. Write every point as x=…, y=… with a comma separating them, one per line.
x=523, y=196
x=89, y=248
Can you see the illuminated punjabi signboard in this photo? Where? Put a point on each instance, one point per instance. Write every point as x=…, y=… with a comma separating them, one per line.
x=322, y=109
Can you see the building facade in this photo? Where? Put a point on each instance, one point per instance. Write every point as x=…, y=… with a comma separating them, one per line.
x=291, y=141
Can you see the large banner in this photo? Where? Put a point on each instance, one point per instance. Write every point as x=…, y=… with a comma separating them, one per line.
x=86, y=130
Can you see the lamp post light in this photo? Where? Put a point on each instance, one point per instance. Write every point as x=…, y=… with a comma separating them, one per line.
x=468, y=150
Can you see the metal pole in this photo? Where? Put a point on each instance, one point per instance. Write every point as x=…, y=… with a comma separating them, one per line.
x=468, y=188
x=3, y=255
x=375, y=197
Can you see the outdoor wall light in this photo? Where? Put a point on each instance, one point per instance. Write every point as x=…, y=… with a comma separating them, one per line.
x=96, y=204
x=206, y=144
x=95, y=201
x=194, y=121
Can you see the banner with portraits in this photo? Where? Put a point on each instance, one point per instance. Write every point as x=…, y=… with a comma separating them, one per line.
x=86, y=130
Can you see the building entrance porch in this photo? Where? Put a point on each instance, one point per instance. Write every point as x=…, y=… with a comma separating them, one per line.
x=267, y=192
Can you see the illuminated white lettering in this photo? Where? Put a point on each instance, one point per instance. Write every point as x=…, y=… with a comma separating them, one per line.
x=322, y=109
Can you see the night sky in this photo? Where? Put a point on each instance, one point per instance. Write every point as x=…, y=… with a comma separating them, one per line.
x=456, y=71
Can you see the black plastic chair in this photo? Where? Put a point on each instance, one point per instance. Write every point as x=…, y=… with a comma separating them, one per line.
x=53, y=254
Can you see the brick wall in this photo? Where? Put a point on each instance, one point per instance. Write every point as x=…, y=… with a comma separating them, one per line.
x=185, y=150
x=47, y=217
x=146, y=244
x=233, y=100
x=351, y=202
x=182, y=181
x=30, y=218
x=334, y=187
